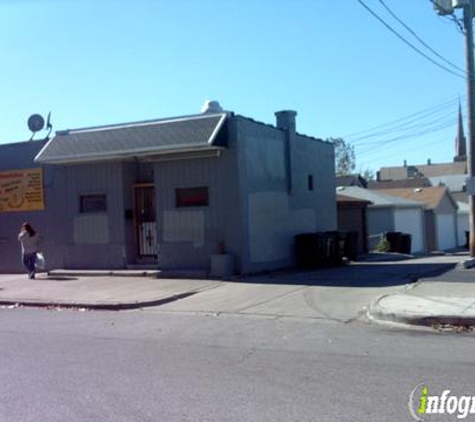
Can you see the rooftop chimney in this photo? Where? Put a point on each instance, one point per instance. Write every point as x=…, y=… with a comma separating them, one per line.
x=286, y=120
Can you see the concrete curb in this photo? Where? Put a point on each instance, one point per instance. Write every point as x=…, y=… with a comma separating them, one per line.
x=378, y=313
x=102, y=306
x=159, y=274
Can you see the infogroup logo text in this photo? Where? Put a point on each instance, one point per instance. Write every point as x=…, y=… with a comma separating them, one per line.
x=422, y=403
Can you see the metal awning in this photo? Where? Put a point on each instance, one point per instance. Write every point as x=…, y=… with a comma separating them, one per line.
x=136, y=140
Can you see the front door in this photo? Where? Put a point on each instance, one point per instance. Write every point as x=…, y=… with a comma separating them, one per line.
x=145, y=220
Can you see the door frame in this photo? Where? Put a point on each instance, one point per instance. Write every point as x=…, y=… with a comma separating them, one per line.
x=137, y=222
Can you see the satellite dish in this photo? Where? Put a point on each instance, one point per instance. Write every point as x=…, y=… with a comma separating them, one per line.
x=36, y=123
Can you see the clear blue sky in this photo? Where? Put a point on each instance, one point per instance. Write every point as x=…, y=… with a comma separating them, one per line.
x=94, y=62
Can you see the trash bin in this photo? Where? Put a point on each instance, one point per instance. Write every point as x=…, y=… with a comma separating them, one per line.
x=350, y=245
x=306, y=250
x=321, y=249
x=405, y=243
x=394, y=240
x=330, y=250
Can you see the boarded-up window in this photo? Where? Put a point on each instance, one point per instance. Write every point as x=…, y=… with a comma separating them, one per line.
x=92, y=203
x=191, y=197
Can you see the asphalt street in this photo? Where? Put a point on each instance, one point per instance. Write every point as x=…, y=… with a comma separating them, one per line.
x=170, y=366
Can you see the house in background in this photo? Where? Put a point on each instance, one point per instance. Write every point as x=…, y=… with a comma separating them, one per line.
x=440, y=214
x=353, y=217
x=418, y=182
x=171, y=193
x=351, y=180
x=390, y=214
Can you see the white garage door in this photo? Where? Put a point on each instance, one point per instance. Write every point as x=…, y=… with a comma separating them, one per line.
x=410, y=221
x=445, y=231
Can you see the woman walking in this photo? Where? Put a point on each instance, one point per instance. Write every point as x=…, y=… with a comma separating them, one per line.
x=30, y=245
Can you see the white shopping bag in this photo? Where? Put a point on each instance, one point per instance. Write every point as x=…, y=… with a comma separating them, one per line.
x=40, y=261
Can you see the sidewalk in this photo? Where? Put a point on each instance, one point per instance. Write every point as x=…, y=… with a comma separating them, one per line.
x=381, y=288
x=445, y=300
x=96, y=290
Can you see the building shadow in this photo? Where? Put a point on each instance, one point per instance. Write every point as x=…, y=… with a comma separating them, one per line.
x=358, y=275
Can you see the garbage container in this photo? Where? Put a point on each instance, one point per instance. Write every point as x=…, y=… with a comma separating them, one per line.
x=350, y=244
x=405, y=243
x=330, y=250
x=306, y=250
x=394, y=240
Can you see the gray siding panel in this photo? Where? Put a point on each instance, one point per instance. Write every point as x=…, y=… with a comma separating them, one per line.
x=273, y=214
x=86, y=247
x=50, y=223
x=188, y=236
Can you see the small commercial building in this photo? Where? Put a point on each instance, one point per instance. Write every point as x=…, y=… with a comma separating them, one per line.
x=169, y=193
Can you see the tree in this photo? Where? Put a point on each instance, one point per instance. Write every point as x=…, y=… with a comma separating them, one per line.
x=344, y=157
x=368, y=174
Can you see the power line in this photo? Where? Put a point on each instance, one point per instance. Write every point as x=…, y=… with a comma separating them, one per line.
x=404, y=120
x=419, y=38
x=417, y=148
x=407, y=42
x=374, y=149
x=416, y=124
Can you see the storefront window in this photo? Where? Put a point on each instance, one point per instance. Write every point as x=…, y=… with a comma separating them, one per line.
x=191, y=197
x=92, y=203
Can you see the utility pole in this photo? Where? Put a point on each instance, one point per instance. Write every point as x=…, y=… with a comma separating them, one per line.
x=467, y=21
x=445, y=7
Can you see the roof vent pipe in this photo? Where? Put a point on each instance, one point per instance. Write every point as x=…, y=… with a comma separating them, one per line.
x=211, y=106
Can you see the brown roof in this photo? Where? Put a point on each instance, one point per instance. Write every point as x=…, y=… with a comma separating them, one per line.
x=432, y=170
x=416, y=182
x=431, y=196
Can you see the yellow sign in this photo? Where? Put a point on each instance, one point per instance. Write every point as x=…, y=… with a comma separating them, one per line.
x=21, y=190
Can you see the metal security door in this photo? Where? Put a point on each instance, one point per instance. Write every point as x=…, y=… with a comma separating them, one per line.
x=145, y=220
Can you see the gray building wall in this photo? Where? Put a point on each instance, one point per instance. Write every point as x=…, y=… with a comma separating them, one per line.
x=259, y=199
x=188, y=236
x=275, y=199
x=446, y=206
x=49, y=223
x=95, y=240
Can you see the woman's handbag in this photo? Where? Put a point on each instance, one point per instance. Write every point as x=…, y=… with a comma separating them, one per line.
x=40, y=261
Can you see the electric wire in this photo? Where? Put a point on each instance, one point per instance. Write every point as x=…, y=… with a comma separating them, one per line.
x=408, y=43
x=419, y=38
x=369, y=150
x=400, y=123
x=404, y=130
x=418, y=148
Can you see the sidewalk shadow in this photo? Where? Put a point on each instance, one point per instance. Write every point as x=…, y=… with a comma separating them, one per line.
x=355, y=275
x=58, y=278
